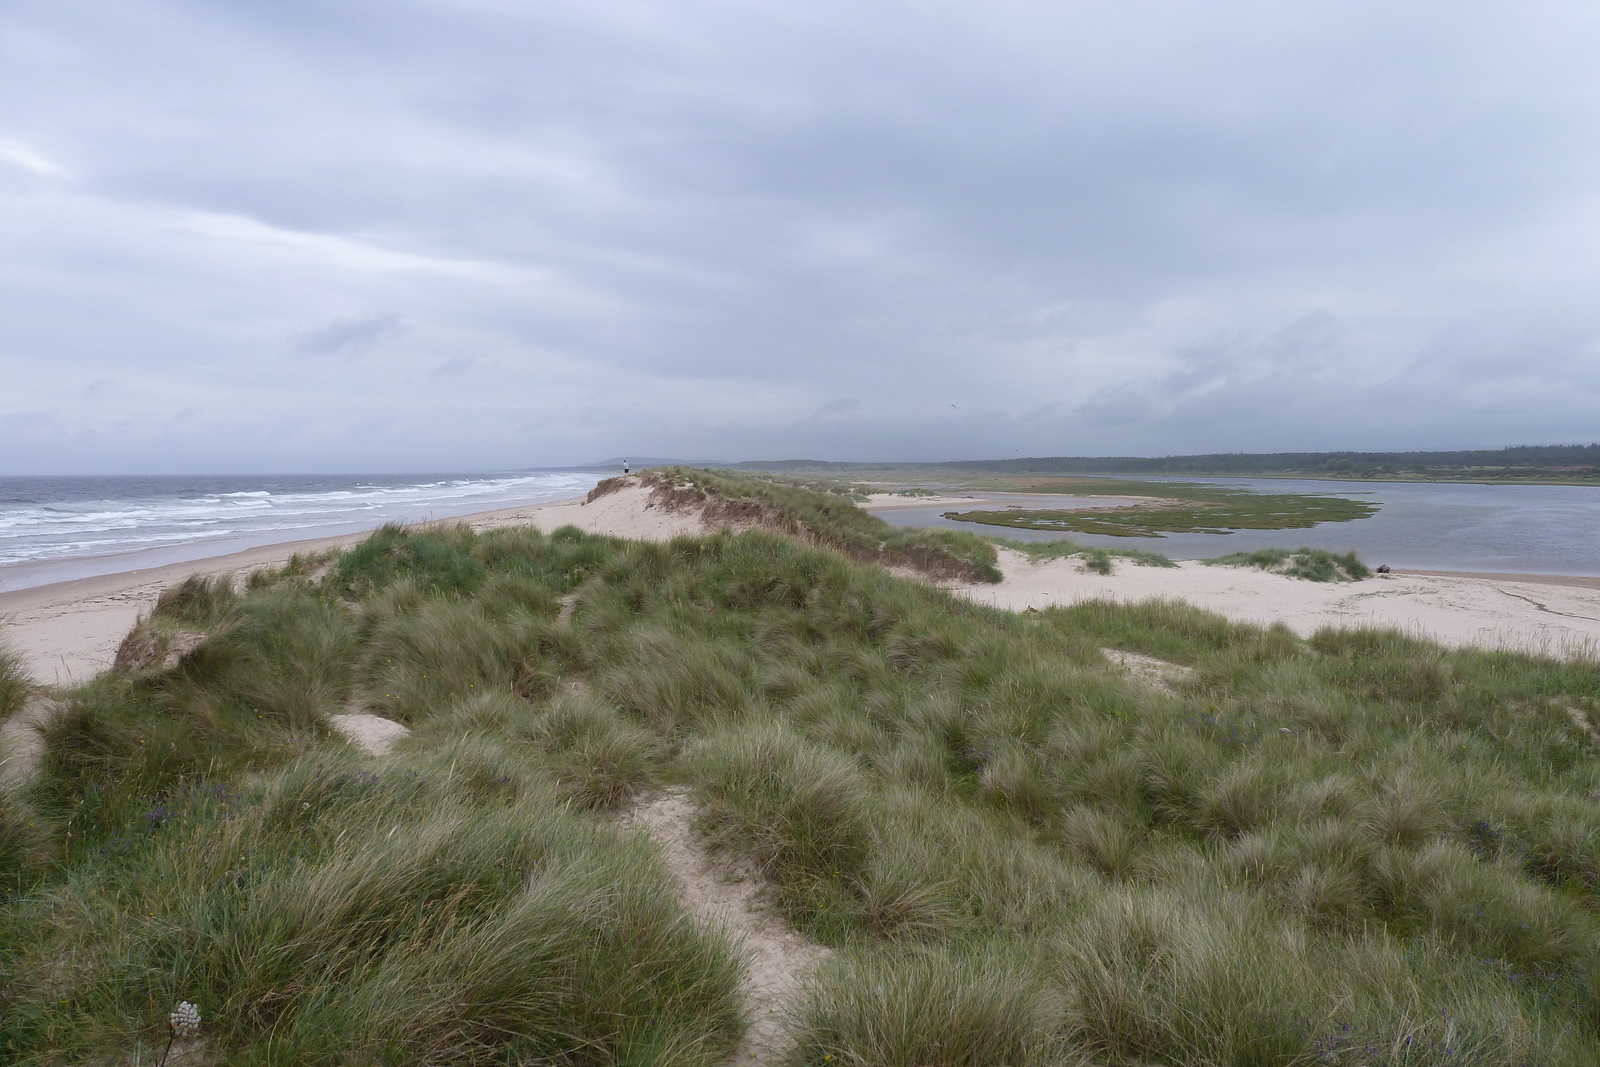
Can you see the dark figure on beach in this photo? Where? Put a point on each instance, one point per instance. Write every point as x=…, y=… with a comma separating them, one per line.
x=624, y=467
x=1383, y=569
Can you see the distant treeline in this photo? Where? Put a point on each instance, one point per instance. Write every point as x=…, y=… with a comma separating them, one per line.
x=1527, y=461
x=1570, y=459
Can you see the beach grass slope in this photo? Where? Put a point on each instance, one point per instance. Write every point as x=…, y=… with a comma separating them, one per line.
x=1356, y=848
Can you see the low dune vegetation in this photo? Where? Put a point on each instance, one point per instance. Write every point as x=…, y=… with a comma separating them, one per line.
x=825, y=517
x=1353, y=849
x=1099, y=560
x=1312, y=564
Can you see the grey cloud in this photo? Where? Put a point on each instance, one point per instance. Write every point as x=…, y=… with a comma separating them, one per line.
x=701, y=228
x=349, y=336
x=454, y=367
x=838, y=406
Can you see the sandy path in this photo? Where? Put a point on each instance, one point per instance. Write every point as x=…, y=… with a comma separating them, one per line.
x=22, y=740
x=728, y=898
x=1561, y=617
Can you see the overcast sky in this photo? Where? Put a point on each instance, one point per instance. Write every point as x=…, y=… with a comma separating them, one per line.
x=425, y=235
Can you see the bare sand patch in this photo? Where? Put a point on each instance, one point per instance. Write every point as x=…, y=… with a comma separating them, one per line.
x=728, y=897
x=1522, y=615
x=22, y=740
x=627, y=512
x=1156, y=673
x=372, y=734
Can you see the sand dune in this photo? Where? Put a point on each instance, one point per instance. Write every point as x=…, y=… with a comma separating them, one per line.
x=70, y=631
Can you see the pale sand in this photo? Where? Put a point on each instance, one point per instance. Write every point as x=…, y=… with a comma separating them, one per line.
x=1560, y=616
x=372, y=734
x=623, y=513
x=69, y=631
x=722, y=895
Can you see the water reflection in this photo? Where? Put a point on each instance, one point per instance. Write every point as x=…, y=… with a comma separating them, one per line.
x=1531, y=529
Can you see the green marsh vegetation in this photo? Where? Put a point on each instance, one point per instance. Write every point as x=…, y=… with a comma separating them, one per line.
x=1181, y=508
x=1352, y=849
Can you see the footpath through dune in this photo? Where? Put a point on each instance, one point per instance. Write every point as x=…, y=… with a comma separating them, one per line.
x=727, y=897
x=22, y=740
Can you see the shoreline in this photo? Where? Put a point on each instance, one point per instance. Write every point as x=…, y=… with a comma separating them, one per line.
x=68, y=631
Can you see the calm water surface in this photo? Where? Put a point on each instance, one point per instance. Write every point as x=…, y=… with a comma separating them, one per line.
x=1528, y=529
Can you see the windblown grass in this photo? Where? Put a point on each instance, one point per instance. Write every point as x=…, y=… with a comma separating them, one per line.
x=14, y=684
x=1099, y=560
x=824, y=515
x=1312, y=564
x=1357, y=848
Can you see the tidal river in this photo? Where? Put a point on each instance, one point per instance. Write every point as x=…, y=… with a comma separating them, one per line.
x=1449, y=526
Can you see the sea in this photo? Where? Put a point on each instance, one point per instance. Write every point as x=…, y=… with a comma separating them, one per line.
x=58, y=528
x=1446, y=526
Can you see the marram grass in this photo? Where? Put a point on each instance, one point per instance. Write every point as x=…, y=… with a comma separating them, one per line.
x=1354, y=849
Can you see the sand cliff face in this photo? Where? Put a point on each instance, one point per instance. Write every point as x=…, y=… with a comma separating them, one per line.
x=69, y=632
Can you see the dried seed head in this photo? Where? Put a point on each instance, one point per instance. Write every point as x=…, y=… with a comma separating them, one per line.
x=185, y=1020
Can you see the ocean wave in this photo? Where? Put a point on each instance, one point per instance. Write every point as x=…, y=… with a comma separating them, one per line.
x=61, y=528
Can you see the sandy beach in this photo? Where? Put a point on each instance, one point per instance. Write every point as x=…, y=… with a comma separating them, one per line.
x=1554, y=615
x=69, y=631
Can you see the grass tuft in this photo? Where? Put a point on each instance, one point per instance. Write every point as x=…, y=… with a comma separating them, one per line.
x=925, y=1008
x=1312, y=564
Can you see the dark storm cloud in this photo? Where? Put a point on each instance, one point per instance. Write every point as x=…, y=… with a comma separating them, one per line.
x=876, y=230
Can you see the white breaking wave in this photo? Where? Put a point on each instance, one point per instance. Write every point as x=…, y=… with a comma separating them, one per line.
x=56, y=529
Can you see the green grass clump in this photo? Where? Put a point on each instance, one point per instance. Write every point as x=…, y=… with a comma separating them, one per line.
x=402, y=914
x=1099, y=560
x=1353, y=848
x=22, y=840
x=927, y=1008
x=14, y=683
x=796, y=807
x=1312, y=564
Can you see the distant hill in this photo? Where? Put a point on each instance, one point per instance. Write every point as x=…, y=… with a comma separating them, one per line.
x=1541, y=461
